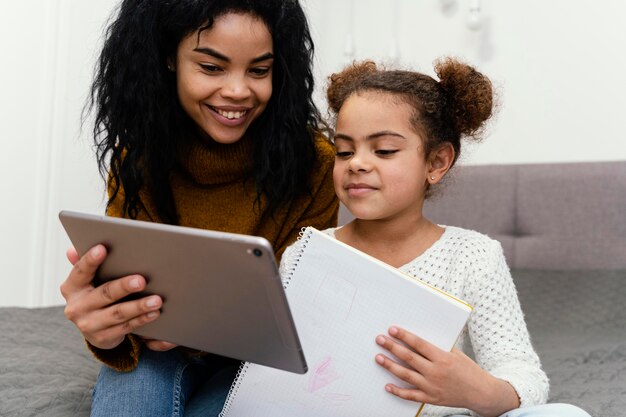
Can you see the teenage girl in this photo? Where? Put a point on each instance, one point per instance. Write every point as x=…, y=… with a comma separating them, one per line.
x=398, y=133
x=204, y=118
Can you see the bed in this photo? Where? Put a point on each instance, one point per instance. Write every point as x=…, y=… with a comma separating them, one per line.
x=563, y=230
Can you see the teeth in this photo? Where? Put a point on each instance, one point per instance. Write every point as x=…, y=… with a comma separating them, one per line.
x=231, y=114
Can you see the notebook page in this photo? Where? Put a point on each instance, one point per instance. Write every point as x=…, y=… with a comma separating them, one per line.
x=341, y=300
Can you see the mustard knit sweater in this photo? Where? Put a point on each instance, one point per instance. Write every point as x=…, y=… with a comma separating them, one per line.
x=211, y=192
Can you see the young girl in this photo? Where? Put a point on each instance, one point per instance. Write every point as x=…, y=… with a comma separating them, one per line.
x=204, y=118
x=398, y=133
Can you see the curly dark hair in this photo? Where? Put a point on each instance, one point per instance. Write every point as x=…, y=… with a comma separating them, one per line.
x=455, y=107
x=139, y=121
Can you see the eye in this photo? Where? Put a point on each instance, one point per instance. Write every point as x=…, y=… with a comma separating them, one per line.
x=343, y=154
x=210, y=68
x=386, y=152
x=260, y=71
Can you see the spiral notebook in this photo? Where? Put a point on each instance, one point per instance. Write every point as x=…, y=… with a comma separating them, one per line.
x=341, y=299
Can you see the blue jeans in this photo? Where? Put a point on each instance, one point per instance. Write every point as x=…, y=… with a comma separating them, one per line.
x=172, y=384
x=546, y=410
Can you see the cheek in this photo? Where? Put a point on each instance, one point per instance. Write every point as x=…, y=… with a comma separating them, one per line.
x=264, y=92
x=403, y=181
x=189, y=88
x=186, y=101
x=338, y=175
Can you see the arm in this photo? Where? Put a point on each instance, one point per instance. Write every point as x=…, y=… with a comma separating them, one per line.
x=437, y=377
x=505, y=350
x=507, y=373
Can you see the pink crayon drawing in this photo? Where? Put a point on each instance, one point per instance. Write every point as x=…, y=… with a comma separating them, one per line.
x=323, y=375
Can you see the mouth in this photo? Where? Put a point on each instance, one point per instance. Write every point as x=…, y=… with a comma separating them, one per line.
x=230, y=114
x=359, y=186
x=357, y=190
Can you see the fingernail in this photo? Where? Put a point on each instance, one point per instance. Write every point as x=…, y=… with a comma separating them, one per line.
x=380, y=340
x=135, y=283
x=96, y=251
x=393, y=331
x=152, y=302
x=153, y=314
x=380, y=359
x=387, y=388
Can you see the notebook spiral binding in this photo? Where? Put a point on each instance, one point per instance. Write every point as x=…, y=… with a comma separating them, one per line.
x=234, y=388
x=303, y=240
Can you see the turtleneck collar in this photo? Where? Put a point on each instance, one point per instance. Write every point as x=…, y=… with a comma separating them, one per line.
x=210, y=163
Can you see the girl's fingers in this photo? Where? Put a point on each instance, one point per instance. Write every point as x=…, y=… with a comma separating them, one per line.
x=415, y=342
x=411, y=394
x=410, y=376
x=403, y=353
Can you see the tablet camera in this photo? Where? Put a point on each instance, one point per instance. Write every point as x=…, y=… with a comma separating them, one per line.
x=256, y=252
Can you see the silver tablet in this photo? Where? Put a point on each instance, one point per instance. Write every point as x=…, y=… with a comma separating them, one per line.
x=222, y=291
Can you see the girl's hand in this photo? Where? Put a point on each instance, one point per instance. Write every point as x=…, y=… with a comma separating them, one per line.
x=103, y=323
x=443, y=378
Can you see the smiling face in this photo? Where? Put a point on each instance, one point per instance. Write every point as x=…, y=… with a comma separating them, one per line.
x=380, y=168
x=224, y=75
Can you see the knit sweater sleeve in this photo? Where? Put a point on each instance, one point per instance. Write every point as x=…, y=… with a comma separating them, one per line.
x=497, y=329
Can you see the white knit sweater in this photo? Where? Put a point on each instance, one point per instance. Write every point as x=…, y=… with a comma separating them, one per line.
x=471, y=266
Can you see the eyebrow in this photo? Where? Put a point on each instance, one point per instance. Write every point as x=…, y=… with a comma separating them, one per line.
x=372, y=136
x=212, y=52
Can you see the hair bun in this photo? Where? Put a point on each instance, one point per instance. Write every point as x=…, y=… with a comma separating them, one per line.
x=470, y=93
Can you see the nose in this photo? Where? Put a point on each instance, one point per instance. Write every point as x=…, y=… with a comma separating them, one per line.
x=359, y=163
x=235, y=88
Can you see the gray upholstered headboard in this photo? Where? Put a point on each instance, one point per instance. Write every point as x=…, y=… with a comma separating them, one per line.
x=547, y=216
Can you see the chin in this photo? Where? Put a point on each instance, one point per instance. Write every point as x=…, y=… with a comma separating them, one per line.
x=227, y=141
x=370, y=217
x=363, y=214
x=226, y=138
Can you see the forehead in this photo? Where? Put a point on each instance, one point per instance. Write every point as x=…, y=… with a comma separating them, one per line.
x=369, y=110
x=239, y=31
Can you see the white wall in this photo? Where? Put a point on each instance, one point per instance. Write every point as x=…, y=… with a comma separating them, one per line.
x=47, y=163
x=559, y=66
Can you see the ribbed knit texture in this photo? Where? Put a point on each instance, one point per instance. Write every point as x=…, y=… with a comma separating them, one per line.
x=216, y=163
x=212, y=190
x=472, y=267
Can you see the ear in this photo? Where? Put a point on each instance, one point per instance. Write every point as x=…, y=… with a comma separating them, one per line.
x=439, y=162
x=171, y=64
